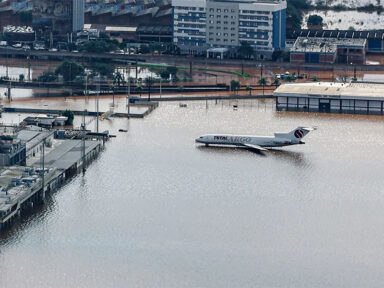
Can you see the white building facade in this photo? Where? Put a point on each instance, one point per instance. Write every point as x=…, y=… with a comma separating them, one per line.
x=202, y=24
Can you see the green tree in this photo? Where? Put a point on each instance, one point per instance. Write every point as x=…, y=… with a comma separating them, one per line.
x=118, y=78
x=315, y=20
x=276, y=82
x=47, y=76
x=104, y=69
x=101, y=45
x=290, y=78
x=69, y=70
x=69, y=114
x=164, y=74
x=21, y=77
x=263, y=82
x=139, y=88
x=295, y=12
x=172, y=70
x=148, y=84
x=144, y=49
x=249, y=88
x=25, y=17
x=245, y=50
x=235, y=85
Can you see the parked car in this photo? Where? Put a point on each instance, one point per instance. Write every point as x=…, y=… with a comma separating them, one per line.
x=17, y=45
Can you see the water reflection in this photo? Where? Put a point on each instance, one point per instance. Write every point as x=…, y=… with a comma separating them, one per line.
x=292, y=157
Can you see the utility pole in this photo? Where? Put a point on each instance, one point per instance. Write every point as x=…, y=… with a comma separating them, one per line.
x=9, y=94
x=129, y=88
x=136, y=71
x=7, y=65
x=190, y=68
x=29, y=65
x=43, y=174
x=149, y=82
x=83, y=141
x=160, y=86
x=97, y=104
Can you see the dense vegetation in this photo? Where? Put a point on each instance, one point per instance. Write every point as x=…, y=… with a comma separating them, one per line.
x=315, y=20
x=295, y=12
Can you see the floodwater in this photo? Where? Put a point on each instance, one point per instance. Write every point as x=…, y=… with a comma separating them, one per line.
x=157, y=210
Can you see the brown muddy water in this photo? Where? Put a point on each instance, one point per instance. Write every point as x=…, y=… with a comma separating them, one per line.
x=157, y=210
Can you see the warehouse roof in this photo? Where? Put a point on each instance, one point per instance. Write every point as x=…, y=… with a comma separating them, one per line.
x=332, y=90
x=325, y=45
x=373, y=34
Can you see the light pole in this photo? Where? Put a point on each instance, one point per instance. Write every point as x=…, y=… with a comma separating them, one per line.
x=160, y=86
x=128, y=88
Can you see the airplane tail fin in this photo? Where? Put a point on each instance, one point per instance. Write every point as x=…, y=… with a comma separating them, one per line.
x=296, y=134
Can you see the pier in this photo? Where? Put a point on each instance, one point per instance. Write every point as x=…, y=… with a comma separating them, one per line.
x=23, y=187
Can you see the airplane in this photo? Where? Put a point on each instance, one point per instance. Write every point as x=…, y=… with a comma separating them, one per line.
x=259, y=143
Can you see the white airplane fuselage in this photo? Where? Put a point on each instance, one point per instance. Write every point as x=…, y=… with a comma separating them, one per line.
x=240, y=140
x=257, y=142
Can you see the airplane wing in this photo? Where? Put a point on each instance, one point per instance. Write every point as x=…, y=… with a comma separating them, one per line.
x=257, y=147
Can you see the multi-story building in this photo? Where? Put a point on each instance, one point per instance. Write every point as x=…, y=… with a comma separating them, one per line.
x=202, y=24
x=61, y=16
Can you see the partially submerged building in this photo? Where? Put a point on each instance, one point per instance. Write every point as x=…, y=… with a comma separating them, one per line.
x=328, y=50
x=12, y=150
x=375, y=38
x=355, y=98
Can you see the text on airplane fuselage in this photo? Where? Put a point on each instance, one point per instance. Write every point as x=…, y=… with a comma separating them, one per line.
x=233, y=139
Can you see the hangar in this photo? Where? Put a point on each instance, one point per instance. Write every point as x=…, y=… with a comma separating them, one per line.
x=353, y=98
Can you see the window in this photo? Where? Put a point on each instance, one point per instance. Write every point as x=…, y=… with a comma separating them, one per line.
x=218, y=10
x=225, y=10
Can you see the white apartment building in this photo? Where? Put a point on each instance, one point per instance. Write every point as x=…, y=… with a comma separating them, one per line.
x=202, y=24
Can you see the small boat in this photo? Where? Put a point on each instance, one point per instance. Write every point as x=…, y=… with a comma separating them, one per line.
x=123, y=130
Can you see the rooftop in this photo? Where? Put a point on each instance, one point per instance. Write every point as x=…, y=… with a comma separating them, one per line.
x=374, y=34
x=325, y=45
x=339, y=90
x=67, y=154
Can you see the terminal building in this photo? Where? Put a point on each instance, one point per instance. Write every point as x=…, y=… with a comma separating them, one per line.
x=203, y=24
x=352, y=98
x=329, y=50
x=60, y=16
